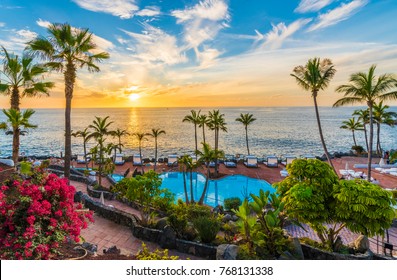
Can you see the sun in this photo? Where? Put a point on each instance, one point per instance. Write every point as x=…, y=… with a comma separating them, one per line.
x=134, y=96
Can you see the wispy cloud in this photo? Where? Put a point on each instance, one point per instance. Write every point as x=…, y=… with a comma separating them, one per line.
x=121, y=8
x=149, y=11
x=208, y=9
x=16, y=40
x=341, y=13
x=2, y=24
x=312, y=5
x=275, y=38
x=43, y=23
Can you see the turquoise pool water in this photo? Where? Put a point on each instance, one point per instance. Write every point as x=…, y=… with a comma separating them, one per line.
x=117, y=177
x=231, y=186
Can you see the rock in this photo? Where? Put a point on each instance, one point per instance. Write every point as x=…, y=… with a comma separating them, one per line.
x=218, y=209
x=168, y=238
x=226, y=252
x=297, y=249
x=91, y=248
x=161, y=224
x=227, y=218
x=111, y=250
x=361, y=244
x=234, y=218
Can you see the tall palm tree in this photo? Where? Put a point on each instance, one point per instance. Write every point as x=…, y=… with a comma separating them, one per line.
x=206, y=156
x=85, y=134
x=203, y=122
x=382, y=116
x=22, y=78
x=216, y=123
x=100, y=127
x=187, y=165
x=141, y=137
x=366, y=87
x=315, y=76
x=119, y=133
x=352, y=124
x=16, y=122
x=246, y=120
x=363, y=117
x=156, y=132
x=194, y=119
x=66, y=49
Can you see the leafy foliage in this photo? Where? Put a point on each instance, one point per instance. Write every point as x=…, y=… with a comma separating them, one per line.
x=232, y=203
x=145, y=254
x=207, y=227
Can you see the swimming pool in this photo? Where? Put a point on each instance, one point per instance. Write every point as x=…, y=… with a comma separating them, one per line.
x=117, y=177
x=230, y=186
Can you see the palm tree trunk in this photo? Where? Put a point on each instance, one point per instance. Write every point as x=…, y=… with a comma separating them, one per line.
x=366, y=136
x=140, y=156
x=321, y=132
x=15, y=98
x=191, y=182
x=195, y=138
x=378, y=148
x=70, y=76
x=201, y=201
x=371, y=138
x=184, y=185
x=15, y=145
x=246, y=140
x=354, y=138
x=85, y=155
x=155, y=153
x=204, y=133
x=216, y=151
x=101, y=159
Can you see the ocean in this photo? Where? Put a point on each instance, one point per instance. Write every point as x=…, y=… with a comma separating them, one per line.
x=276, y=131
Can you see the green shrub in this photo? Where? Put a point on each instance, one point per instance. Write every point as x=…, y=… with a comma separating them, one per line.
x=178, y=223
x=194, y=211
x=145, y=254
x=232, y=203
x=164, y=201
x=207, y=228
x=358, y=149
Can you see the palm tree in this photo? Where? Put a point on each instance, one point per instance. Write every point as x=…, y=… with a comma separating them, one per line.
x=194, y=119
x=16, y=122
x=315, y=76
x=156, y=132
x=66, y=49
x=22, y=78
x=363, y=117
x=119, y=133
x=100, y=128
x=141, y=137
x=216, y=123
x=366, y=87
x=85, y=135
x=352, y=125
x=206, y=156
x=203, y=122
x=187, y=165
x=246, y=120
x=381, y=116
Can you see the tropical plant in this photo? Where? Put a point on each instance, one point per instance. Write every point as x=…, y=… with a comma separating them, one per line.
x=119, y=133
x=203, y=122
x=17, y=121
x=353, y=126
x=66, y=49
x=85, y=135
x=194, y=119
x=141, y=137
x=246, y=120
x=232, y=203
x=366, y=87
x=206, y=156
x=100, y=127
x=314, y=195
x=188, y=165
x=22, y=78
x=156, y=132
x=363, y=117
x=216, y=123
x=315, y=76
x=207, y=228
x=382, y=116
x=38, y=216
x=145, y=254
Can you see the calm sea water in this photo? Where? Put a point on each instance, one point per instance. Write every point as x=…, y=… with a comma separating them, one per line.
x=289, y=130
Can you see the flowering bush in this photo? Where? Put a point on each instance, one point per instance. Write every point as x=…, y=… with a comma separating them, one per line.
x=36, y=216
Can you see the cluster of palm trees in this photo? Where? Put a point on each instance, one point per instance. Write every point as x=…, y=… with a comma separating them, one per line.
x=362, y=88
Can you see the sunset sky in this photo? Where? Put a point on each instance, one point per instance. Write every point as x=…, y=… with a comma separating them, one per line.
x=208, y=53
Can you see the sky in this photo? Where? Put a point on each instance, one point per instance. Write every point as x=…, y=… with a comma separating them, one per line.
x=208, y=53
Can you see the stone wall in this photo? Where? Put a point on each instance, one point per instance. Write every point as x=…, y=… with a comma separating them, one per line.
x=311, y=253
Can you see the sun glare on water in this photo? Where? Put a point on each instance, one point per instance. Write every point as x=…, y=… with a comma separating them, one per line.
x=134, y=96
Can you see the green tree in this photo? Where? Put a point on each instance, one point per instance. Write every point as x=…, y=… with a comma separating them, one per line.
x=313, y=194
x=353, y=125
x=363, y=118
x=194, y=119
x=66, y=49
x=246, y=120
x=216, y=123
x=315, y=76
x=366, y=87
x=119, y=133
x=141, y=137
x=382, y=116
x=100, y=127
x=156, y=132
x=85, y=135
x=187, y=165
x=16, y=122
x=203, y=122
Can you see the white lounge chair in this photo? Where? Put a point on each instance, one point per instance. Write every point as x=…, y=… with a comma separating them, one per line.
x=119, y=159
x=172, y=160
x=284, y=173
x=251, y=161
x=81, y=158
x=137, y=160
x=288, y=159
x=271, y=161
x=8, y=162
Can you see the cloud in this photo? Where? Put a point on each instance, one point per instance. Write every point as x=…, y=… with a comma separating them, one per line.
x=2, y=24
x=43, y=23
x=275, y=38
x=149, y=11
x=312, y=5
x=15, y=40
x=207, y=57
x=213, y=10
x=341, y=13
x=124, y=9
